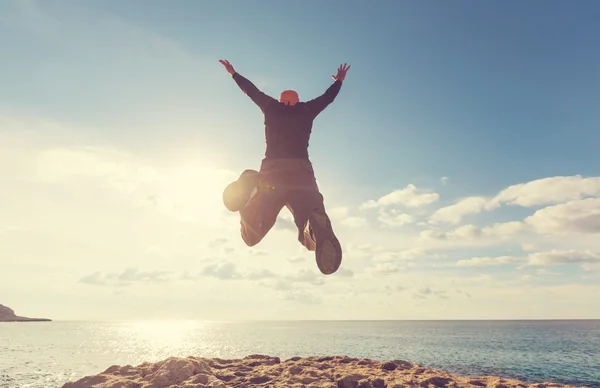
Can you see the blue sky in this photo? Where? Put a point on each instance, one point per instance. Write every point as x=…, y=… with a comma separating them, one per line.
x=452, y=88
x=131, y=96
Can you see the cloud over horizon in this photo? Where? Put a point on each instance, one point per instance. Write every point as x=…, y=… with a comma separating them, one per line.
x=180, y=244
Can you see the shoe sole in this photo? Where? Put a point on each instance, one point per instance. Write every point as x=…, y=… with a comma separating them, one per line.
x=328, y=249
x=237, y=194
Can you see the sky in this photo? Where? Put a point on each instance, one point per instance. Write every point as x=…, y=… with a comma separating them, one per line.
x=459, y=162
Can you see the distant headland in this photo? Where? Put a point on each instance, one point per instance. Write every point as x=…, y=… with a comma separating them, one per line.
x=8, y=315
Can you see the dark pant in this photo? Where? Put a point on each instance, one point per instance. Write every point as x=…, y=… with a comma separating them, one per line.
x=285, y=182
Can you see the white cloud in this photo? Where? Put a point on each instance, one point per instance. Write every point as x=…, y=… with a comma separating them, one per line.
x=501, y=230
x=454, y=214
x=302, y=296
x=294, y=280
x=488, y=261
x=125, y=278
x=574, y=218
x=218, y=242
x=546, y=191
x=394, y=218
x=363, y=251
x=410, y=197
x=595, y=266
x=222, y=270
x=338, y=212
x=344, y=272
x=551, y=190
x=354, y=222
x=578, y=216
x=387, y=268
x=425, y=292
x=556, y=257
x=406, y=255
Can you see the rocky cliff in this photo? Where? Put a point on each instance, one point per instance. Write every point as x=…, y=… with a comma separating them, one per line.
x=8, y=315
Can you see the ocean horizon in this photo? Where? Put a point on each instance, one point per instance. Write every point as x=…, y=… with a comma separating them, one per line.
x=49, y=354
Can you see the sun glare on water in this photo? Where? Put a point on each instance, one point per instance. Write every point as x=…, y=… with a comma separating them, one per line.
x=158, y=339
x=163, y=332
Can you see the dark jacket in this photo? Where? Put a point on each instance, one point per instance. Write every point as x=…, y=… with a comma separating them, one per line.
x=287, y=128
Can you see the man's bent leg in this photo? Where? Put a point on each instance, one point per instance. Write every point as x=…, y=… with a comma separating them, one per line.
x=259, y=215
x=315, y=231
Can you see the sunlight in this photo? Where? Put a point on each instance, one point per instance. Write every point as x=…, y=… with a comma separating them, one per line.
x=192, y=190
x=162, y=333
x=186, y=188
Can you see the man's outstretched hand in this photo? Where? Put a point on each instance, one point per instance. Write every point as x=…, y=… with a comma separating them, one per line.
x=228, y=66
x=341, y=74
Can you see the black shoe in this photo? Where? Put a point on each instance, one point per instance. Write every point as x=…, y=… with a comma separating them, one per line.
x=237, y=194
x=328, y=251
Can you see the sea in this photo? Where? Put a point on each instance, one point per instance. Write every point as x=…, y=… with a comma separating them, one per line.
x=49, y=354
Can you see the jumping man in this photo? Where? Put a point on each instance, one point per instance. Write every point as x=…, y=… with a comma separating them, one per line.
x=286, y=176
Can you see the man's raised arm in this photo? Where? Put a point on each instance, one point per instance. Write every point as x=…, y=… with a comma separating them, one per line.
x=318, y=104
x=259, y=98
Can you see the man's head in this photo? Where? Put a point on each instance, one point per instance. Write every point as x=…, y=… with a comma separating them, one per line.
x=289, y=97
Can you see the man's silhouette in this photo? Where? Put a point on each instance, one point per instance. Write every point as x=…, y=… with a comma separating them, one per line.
x=286, y=176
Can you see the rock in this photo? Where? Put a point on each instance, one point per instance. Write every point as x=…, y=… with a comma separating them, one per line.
x=226, y=377
x=265, y=371
x=91, y=381
x=260, y=379
x=306, y=380
x=477, y=383
x=436, y=381
x=8, y=315
x=400, y=364
x=349, y=381
x=347, y=384
x=388, y=366
x=378, y=383
x=199, y=379
x=321, y=359
x=258, y=359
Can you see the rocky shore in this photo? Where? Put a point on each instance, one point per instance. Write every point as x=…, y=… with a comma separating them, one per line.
x=8, y=315
x=266, y=371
